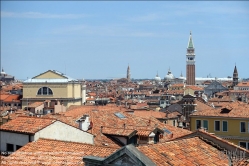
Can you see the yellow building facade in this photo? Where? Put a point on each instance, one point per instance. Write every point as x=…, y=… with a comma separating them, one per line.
x=54, y=87
x=230, y=122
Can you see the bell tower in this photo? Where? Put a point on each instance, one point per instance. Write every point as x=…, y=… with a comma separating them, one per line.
x=190, y=66
x=128, y=76
x=235, y=76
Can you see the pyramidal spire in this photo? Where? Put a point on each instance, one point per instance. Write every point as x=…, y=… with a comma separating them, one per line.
x=190, y=41
x=235, y=70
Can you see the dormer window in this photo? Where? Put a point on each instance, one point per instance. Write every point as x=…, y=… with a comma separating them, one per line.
x=45, y=91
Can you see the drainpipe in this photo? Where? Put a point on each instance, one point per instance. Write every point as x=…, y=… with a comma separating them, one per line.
x=101, y=128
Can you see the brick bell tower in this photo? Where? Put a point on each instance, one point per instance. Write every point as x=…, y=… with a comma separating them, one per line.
x=190, y=68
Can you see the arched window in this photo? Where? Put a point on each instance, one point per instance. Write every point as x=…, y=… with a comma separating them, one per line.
x=45, y=91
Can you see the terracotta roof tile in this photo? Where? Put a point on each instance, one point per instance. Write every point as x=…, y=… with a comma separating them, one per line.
x=105, y=116
x=26, y=124
x=243, y=84
x=146, y=114
x=192, y=151
x=13, y=98
x=16, y=114
x=237, y=109
x=202, y=106
x=144, y=132
x=35, y=104
x=54, y=152
x=118, y=131
x=193, y=87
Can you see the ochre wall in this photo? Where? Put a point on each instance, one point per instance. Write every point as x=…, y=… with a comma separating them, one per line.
x=49, y=74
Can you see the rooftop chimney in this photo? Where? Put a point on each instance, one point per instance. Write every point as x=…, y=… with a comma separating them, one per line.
x=84, y=124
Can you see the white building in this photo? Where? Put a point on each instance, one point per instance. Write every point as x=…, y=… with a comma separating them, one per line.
x=22, y=130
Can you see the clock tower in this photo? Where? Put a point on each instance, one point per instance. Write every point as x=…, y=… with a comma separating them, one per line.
x=190, y=68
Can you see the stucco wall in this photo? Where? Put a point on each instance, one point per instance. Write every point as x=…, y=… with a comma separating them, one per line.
x=13, y=138
x=233, y=127
x=39, y=109
x=68, y=104
x=64, y=132
x=59, y=108
x=74, y=90
x=59, y=90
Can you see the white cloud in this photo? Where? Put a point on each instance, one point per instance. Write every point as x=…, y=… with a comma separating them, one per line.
x=5, y=14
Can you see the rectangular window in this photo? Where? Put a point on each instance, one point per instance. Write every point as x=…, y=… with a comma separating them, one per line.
x=198, y=124
x=248, y=127
x=205, y=124
x=224, y=126
x=10, y=147
x=144, y=138
x=18, y=147
x=243, y=144
x=45, y=90
x=242, y=127
x=217, y=125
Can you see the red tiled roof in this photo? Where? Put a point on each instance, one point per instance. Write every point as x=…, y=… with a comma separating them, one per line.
x=35, y=104
x=104, y=116
x=221, y=99
x=202, y=106
x=193, y=87
x=192, y=151
x=16, y=114
x=12, y=87
x=145, y=133
x=92, y=94
x=3, y=96
x=10, y=98
x=243, y=84
x=173, y=114
x=65, y=119
x=177, y=85
x=117, y=131
x=54, y=152
x=146, y=114
x=29, y=125
x=169, y=92
x=90, y=99
x=238, y=110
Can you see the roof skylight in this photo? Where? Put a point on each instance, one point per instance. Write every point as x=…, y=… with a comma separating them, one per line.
x=167, y=131
x=120, y=115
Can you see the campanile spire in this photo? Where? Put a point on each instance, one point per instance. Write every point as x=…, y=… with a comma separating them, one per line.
x=128, y=76
x=190, y=66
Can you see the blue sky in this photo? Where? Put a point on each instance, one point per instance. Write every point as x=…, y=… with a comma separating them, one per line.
x=99, y=39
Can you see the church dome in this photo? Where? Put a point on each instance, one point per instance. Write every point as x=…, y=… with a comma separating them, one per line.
x=181, y=77
x=169, y=76
x=157, y=78
x=3, y=72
